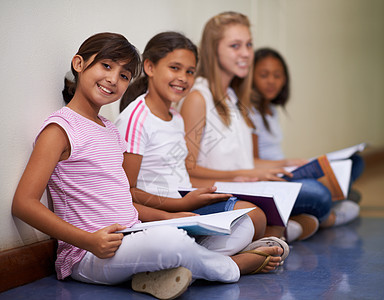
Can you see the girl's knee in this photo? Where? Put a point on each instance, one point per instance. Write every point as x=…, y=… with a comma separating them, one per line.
x=323, y=195
x=314, y=198
x=257, y=216
x=317, y=191
x=177, y=240
x=154, y=239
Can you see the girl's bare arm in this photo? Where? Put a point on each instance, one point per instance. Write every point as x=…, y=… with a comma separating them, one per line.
x=52, y=146
x=192, y=201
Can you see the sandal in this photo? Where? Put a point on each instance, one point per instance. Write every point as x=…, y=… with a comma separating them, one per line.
x=266, y=261
x=163, y=284
x=270, y=241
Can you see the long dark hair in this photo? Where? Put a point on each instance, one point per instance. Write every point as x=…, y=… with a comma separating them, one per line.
x=157, y=48
x=105, y=45
x=282, y=98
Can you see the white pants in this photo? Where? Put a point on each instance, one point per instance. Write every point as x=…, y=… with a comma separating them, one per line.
x=167, y=247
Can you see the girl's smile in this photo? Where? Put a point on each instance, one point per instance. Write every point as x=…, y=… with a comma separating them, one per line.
x=171, y=77
x=235, y=52
x=179, y=88
x=104, y=89
x=109, y=77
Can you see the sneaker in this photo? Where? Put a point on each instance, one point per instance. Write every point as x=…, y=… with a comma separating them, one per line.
x=293, y=231
x=163, y=284
x=345, y=212
x=308, y=223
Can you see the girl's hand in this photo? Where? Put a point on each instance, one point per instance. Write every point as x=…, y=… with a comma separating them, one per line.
x=105, y=242
x=245, y=179
x=268, y=174
x=205, y=196
x=181, y=215
x=296, y=162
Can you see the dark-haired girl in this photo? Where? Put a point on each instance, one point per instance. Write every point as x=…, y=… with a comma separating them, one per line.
x=271, y=86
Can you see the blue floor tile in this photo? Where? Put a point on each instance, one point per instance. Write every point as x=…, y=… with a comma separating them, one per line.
x=338, y=263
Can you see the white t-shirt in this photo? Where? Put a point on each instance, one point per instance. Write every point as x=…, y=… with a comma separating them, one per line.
x=223, y=147
x=269, y=141
x=162, y=145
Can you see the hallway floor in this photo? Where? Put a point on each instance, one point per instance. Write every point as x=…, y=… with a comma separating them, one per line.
x=339, y=263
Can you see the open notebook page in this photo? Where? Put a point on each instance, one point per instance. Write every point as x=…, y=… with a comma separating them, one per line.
x=284, y=193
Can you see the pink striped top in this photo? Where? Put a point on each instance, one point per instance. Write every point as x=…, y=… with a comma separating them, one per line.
x=90, y=189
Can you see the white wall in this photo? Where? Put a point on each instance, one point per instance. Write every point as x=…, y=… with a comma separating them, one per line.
x=334, y=49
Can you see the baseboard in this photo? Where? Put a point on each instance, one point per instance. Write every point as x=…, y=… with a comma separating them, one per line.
x=26, y=264
x=373, y=156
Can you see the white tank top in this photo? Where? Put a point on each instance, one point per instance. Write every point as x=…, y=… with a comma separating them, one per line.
x=222, y=147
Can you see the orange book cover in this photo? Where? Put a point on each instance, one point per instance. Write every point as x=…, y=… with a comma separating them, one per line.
x=329, y=179
x=320, y=169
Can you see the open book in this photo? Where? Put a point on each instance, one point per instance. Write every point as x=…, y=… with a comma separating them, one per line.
x=332, y=169
x=335, y=176
x=211, y=224
x=346, y=152
x=275, y=198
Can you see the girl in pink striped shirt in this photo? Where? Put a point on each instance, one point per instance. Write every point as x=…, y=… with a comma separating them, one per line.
x=81, y=157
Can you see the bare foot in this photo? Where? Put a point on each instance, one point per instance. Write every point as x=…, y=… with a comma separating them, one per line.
x=249, y=262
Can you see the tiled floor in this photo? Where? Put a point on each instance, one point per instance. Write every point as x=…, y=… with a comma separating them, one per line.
x=339, y=263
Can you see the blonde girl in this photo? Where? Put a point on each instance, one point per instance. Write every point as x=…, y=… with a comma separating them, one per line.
x=215, y=112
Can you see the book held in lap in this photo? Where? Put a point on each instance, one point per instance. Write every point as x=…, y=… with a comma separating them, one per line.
x=332, y=169
x=211, y=224
x=275, y=198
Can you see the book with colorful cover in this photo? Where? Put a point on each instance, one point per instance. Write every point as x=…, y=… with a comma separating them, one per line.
x=332, y=169
x=325, y=172
x=211, y=224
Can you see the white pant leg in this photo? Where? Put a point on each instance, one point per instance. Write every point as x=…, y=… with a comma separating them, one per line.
x=156, y=249
x=241, y=237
